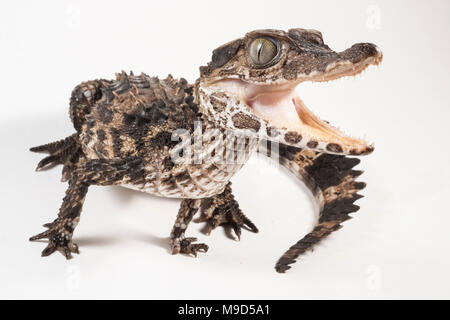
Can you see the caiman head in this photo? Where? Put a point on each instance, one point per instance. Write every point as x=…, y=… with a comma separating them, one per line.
x=250, y=85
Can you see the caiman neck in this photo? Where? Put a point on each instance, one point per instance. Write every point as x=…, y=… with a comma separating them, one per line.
x=212, y=119
x=209, y=119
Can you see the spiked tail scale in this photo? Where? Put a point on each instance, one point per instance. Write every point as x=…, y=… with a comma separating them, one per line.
x=65, y=151
x=331, y=179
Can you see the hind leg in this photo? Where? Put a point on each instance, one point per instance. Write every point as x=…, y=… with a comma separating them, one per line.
x=85, y=173
x=60, y=231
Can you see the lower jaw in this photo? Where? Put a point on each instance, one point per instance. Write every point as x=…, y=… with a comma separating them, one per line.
x=284, y=110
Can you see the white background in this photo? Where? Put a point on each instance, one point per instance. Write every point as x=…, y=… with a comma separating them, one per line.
x=397, y=245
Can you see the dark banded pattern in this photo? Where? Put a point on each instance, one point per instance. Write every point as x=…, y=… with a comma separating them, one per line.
x=332, y=180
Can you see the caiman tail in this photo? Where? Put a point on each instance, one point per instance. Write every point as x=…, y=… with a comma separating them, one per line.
x=65, y=152
x=331, y=179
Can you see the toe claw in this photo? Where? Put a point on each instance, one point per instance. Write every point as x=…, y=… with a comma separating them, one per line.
x=66, y=253
x=250, y=225
x=75, y=248
x=56, y=241
x=236, y=220
x=197, y=248
x=237, y=230
x=187, y=246
x=41, y=235
x=48, y=250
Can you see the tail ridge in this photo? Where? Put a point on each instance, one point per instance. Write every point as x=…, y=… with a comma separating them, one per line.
x=65, y=151
x=332, y=181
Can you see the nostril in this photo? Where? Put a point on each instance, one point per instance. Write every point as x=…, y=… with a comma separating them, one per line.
x=368, y=48
x=361, y=51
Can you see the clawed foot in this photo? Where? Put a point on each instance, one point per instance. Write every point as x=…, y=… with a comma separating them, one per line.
x=187, y=246
x=59, y=239
x=226, y=215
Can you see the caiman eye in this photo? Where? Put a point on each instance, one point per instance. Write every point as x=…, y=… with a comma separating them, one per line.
x=262, y=50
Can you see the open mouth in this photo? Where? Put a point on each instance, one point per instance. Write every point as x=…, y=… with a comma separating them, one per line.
x=280, y=106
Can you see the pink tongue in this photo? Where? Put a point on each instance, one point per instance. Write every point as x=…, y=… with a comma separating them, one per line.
x=277, y=108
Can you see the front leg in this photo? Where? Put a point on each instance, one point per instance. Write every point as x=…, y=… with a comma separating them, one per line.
x=179, y=243
x=223, y=210
x=86, y=172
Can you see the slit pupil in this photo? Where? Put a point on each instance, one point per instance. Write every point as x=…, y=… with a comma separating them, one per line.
x=259, y=51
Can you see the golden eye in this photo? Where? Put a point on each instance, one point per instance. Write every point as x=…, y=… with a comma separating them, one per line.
x=262, y=50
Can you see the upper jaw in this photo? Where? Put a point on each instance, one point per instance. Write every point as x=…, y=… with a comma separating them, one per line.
x=350, y=62
x=318, y=66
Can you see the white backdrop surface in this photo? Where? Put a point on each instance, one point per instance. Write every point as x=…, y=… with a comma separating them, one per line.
x=397, y=245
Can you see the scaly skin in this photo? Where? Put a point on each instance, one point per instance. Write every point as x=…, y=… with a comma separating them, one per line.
x=332, y=181
x=132, y=131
